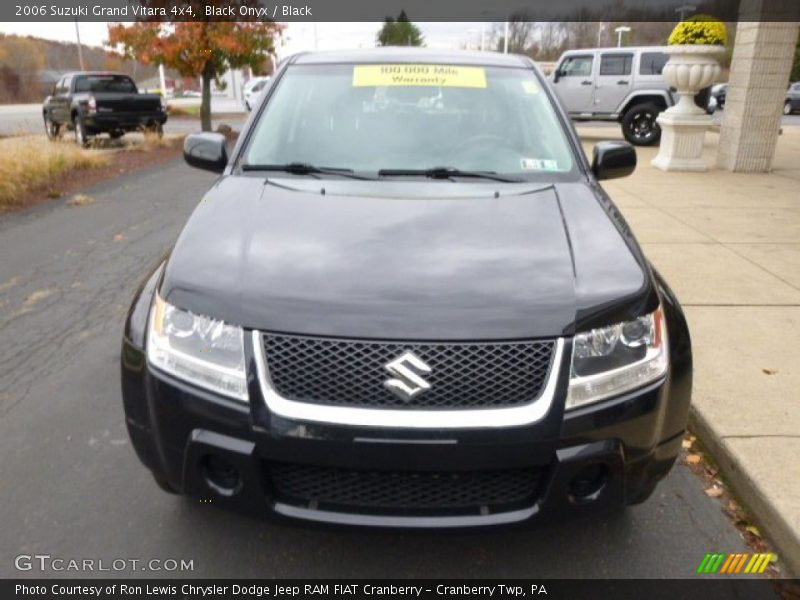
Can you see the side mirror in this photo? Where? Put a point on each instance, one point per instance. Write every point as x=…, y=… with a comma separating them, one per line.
x=556, y=75
x=613, y=159
x=206, y=151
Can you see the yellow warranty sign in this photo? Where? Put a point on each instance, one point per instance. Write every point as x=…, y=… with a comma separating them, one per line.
x=418, y=75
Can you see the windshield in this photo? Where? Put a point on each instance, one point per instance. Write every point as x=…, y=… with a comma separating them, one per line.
x=105, y=83
x=370, y=118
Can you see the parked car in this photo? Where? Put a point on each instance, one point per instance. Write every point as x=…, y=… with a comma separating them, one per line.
x=720, y=91
x=252, y=89
x=94, y=102
x=792, y=103
x=618, y=84
x=407, y=302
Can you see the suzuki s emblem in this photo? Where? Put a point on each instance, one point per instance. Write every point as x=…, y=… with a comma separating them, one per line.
x=407, y=381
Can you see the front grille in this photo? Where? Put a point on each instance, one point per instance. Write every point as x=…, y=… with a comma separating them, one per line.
x=352, y=372
x=328, y=487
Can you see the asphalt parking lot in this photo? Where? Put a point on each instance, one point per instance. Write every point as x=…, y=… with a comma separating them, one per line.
x=74, y=489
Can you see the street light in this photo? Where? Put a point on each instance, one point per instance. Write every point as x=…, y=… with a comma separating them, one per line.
x=620, y=31
x=683, y=9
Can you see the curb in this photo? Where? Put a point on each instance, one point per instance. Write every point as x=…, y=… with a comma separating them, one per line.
x=775, y=527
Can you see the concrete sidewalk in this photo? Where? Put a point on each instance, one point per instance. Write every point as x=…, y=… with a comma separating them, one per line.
x=729, y=245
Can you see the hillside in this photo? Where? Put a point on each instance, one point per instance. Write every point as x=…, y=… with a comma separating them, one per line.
x=29, y=66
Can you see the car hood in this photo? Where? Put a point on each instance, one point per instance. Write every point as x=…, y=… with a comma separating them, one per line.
x=410, y=260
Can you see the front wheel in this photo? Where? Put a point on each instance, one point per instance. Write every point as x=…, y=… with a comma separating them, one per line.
x=639, y=125
x=52, y=129
x=787, y=108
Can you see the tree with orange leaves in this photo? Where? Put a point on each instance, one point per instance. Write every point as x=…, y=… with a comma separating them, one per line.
x=199, y=48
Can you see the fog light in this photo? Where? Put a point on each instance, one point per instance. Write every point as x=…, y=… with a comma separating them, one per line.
x=587, y=485
x=220, y=475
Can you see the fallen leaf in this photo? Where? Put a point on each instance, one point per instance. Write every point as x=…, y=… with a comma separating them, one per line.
x=769, y=371
x=714, y=492
x=693, y=459
x=754, y=530
x=686, y=444
x=120, y=237
x=80, y=200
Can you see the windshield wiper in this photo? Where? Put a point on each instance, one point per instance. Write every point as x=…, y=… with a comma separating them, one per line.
x=446, y=173
x=299, y=168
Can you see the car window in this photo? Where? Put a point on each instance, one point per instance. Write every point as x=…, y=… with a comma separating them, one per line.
x=259, y=86
x=66, y=84
x=616, y=64
x=796, y=87
x=372, y=117
x=576, y=66
x=652, y=63
x=58, y=88
x=105, y=83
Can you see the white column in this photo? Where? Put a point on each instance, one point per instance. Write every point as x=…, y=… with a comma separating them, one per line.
x=762, y=61
x=162, y=81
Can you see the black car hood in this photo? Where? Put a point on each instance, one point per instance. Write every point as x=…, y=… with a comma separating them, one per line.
x=424, y=260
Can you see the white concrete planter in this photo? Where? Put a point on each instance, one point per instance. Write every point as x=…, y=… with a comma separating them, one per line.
x=683, y=127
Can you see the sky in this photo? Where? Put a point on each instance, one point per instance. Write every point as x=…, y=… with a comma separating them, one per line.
x=297, y=36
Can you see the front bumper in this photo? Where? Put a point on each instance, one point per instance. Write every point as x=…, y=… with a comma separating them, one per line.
x=177, y=429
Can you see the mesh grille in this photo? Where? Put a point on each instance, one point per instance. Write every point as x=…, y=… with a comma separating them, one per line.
x=404, y=489
x=352, y=373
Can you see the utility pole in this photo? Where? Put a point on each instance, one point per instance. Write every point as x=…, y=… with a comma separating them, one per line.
x=619, y=31
x=483, y=36
x=683, y=9
x=80, y=49
x=505, y=40
x=600, y=27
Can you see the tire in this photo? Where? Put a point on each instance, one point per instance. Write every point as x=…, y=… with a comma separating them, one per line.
x=52, y=129
x=115, y=135
x=643, y=495
x=787, y=108
x=164, y=484
x=81, y=137
x=639, y=125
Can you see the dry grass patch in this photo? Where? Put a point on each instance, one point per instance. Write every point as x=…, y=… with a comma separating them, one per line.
x=27, y=162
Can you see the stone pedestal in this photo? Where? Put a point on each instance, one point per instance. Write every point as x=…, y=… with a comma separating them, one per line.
x=684, y=126
x=682, y=138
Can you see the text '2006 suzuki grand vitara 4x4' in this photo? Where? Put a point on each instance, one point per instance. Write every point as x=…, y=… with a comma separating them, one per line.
x=407, y=302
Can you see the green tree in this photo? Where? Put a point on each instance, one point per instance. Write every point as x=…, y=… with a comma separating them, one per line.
x=401, y=32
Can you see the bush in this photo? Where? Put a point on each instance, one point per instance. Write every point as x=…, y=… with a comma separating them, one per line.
x=701, y=29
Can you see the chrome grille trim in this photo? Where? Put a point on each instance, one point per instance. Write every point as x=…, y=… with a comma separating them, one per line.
x=481, y=418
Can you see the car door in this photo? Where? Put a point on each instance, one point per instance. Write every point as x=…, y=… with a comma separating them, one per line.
x=58, y=109
x=573, y=82
x=614, y=81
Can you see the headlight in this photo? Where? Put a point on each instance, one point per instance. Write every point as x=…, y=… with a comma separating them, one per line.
x=619, y=358
x=202, y=351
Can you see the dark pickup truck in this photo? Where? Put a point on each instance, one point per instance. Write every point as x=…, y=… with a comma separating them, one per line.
x=90, y=103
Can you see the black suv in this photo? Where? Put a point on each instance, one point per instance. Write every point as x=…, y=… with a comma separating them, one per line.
x=407, y=302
